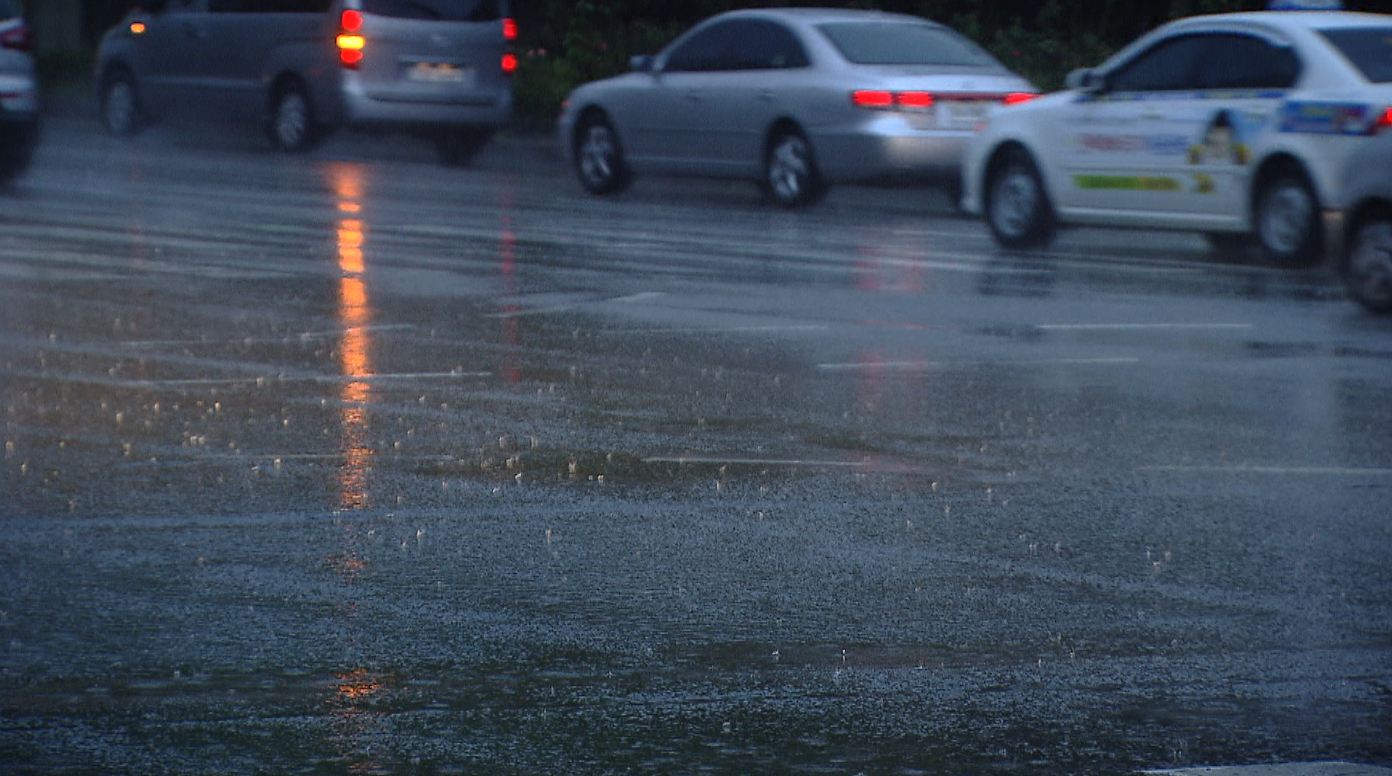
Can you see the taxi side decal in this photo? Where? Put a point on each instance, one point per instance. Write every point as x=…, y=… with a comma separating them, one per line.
x=1221, y=95
x=1325, y=118
x=1126, y=183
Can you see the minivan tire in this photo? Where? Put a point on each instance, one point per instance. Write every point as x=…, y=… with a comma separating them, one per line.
x=294, y=126
x=120, y=103
x=1018, y=210
x=457, y=148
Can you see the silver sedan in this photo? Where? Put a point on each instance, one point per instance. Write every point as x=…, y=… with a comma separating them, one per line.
x=796, y=99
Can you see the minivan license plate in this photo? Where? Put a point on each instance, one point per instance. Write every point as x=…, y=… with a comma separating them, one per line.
x=438, y=73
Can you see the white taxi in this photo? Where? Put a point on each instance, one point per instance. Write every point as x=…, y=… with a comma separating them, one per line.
x=1233, y=125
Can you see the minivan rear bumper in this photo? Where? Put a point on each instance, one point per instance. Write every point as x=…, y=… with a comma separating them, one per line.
x=360, y=110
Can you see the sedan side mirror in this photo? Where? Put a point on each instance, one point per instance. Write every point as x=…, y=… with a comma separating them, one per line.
x=642, y=64
x=1086, y=80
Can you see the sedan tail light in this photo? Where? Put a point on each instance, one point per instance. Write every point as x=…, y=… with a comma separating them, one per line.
x=18, y=39
x=872, y=98
x=350, y=42
x=1015, y=98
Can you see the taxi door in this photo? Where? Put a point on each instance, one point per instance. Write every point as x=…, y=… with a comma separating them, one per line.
x=1127, y=143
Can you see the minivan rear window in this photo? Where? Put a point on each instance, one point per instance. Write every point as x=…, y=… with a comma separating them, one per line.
x=438, y=10
x=882, y=43
x=1368, y=48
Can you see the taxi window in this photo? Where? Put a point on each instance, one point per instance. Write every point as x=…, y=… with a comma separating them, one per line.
x=1368, y=48
x=1169, y=66
x=1246, y=62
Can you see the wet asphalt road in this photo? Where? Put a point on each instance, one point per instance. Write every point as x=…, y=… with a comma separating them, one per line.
x=354, y=463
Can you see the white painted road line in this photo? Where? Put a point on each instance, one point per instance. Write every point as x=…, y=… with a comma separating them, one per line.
x=1280, y=769
x=1140, y=326
x=1294, y=471
x=959, y=364
x=683, y=460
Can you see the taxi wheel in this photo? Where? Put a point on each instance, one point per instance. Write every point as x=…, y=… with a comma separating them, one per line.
x=120, y=103
x=293, y=127
x=599, y=159
x=791, y=177
x=458, y=148
x=1288, y=219
x=1369, y=270
x=1017, y=206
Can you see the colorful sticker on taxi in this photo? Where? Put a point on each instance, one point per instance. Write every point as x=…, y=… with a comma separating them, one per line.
x=1326, y=118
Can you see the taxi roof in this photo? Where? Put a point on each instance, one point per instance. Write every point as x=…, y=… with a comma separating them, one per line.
x=1304, y=20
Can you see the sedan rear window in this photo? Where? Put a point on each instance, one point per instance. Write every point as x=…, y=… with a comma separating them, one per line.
x=884, y=43
x=438, y=10
x=1368, y=48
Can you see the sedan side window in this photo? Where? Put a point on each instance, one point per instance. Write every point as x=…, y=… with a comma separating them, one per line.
x=1169, y=66
x=707, y=50
x=760, y=44
x=1247, y=62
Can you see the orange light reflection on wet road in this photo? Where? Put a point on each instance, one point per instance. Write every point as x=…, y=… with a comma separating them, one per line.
x=355, y=348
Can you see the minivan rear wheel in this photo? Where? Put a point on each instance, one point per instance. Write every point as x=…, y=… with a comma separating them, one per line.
x=458, y=147
x=120, y=103
x=293, y=127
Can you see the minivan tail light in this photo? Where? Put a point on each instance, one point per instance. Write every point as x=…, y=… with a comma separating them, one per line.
x=509, y=30
x=1015, y=98
x=509, y=63
x=349, y=41
x=18, y=39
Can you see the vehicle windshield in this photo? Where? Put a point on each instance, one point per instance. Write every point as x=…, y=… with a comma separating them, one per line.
x=1368, y=48
x=438, y=10
x=886, y=43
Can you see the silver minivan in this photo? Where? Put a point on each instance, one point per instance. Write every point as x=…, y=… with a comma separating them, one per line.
x=441, y=68
x=19, y=102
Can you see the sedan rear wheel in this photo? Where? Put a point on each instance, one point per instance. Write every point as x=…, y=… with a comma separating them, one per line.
x=1017, y=207
x=1369, y=271
x=790, y=172
x=599, y=161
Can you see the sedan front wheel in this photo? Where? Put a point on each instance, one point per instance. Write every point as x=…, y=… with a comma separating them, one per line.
x=1369, y=270
x=599, y=160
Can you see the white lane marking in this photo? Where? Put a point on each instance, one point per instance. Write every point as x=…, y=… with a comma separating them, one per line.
x=758, y=462
x=719, y=330
x=1279, y=769
x=1312, y=471
x=309, y=335
x=958, y=364
x=1139, y=326
x=630, y=299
